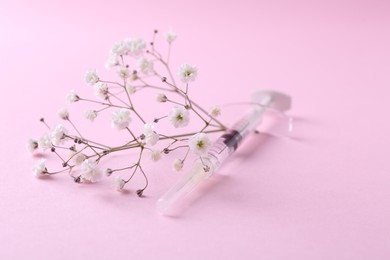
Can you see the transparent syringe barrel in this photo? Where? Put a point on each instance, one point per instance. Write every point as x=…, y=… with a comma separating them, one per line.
x=205, y=167
x=266, y=101
x=196, y=175
x=231, y=139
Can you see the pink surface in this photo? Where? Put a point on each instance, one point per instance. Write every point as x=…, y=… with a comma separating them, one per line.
x=323, y=195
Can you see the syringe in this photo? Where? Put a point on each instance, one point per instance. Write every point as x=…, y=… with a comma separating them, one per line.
x=226, y=145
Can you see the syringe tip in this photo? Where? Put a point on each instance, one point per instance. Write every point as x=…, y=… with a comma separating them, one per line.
x=162, y=206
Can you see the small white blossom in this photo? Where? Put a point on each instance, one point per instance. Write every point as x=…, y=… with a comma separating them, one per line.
x=101, y=90
x=135, y=47
x=124, y=72
x=178, y=165
x=145, y=65
x=57, y=135
x=133, y=76
x=91, y=77
x=111, y=61
x=118, y=183
x=39, y=169
x=130, y=89
x=119, y=48
x=215, y=111
x=108, y=172
x=150, y=136
x=72, y=97
x=199, y=143
x=77, y=157
x=45, y=142
x=31, y=145
x=161, y=97
x=187, y=73
x=170, y=36
x=90, y=114
x=179, y=116
x=63, y=113
x=90, y=171
x=155, y=155
x=120, y=118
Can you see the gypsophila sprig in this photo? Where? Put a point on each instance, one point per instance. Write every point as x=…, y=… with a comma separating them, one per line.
x=39, y=169
x=44, y=142
x=111, y=61
x=177, y=165
x=63, y=113
x=137, y=66
x=170, y=36
x=179, y=116
x=58, y=135
x=91, y=77
x=199, y=143
x=32, y=145
x=187, y=73
x=149, y=136
x=120, y=118
x=72, y=97
x=155, y=155
x=91, y=114
x=118, y=183
x=90, y=171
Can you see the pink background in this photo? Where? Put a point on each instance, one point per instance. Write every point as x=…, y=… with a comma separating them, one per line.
x=322, y=195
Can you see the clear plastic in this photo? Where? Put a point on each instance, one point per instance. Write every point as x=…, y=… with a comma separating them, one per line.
x=268, y=106
x=276, y=123
x=195, y=176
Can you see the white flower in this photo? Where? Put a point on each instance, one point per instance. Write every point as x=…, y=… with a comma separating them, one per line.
x=90, y=171
x=31, y=145
x=124, y=72
x=133, y=76
x=90, y=114
x=72, y=96
x=187, y=73
x=63, y=113
x=199, y=143
x=215, y=111
x=150, y=136
x=101, y=90
x=170, y=36
x=45, y=142
x=119, y=48
x=179, y=116
x=130, y=89
x=111, y=61
x=161, y=97
x=155, y=155
x=57, y=135
x=77, y=157
x=145, y=65
x=108, y=172
x=135, y=47
x=91, y=77
x=39, y=169
x=178, y=165
x=120, y=118
x=118, y=183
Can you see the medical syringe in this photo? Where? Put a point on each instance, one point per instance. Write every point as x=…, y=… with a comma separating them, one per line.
x=226, y=145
